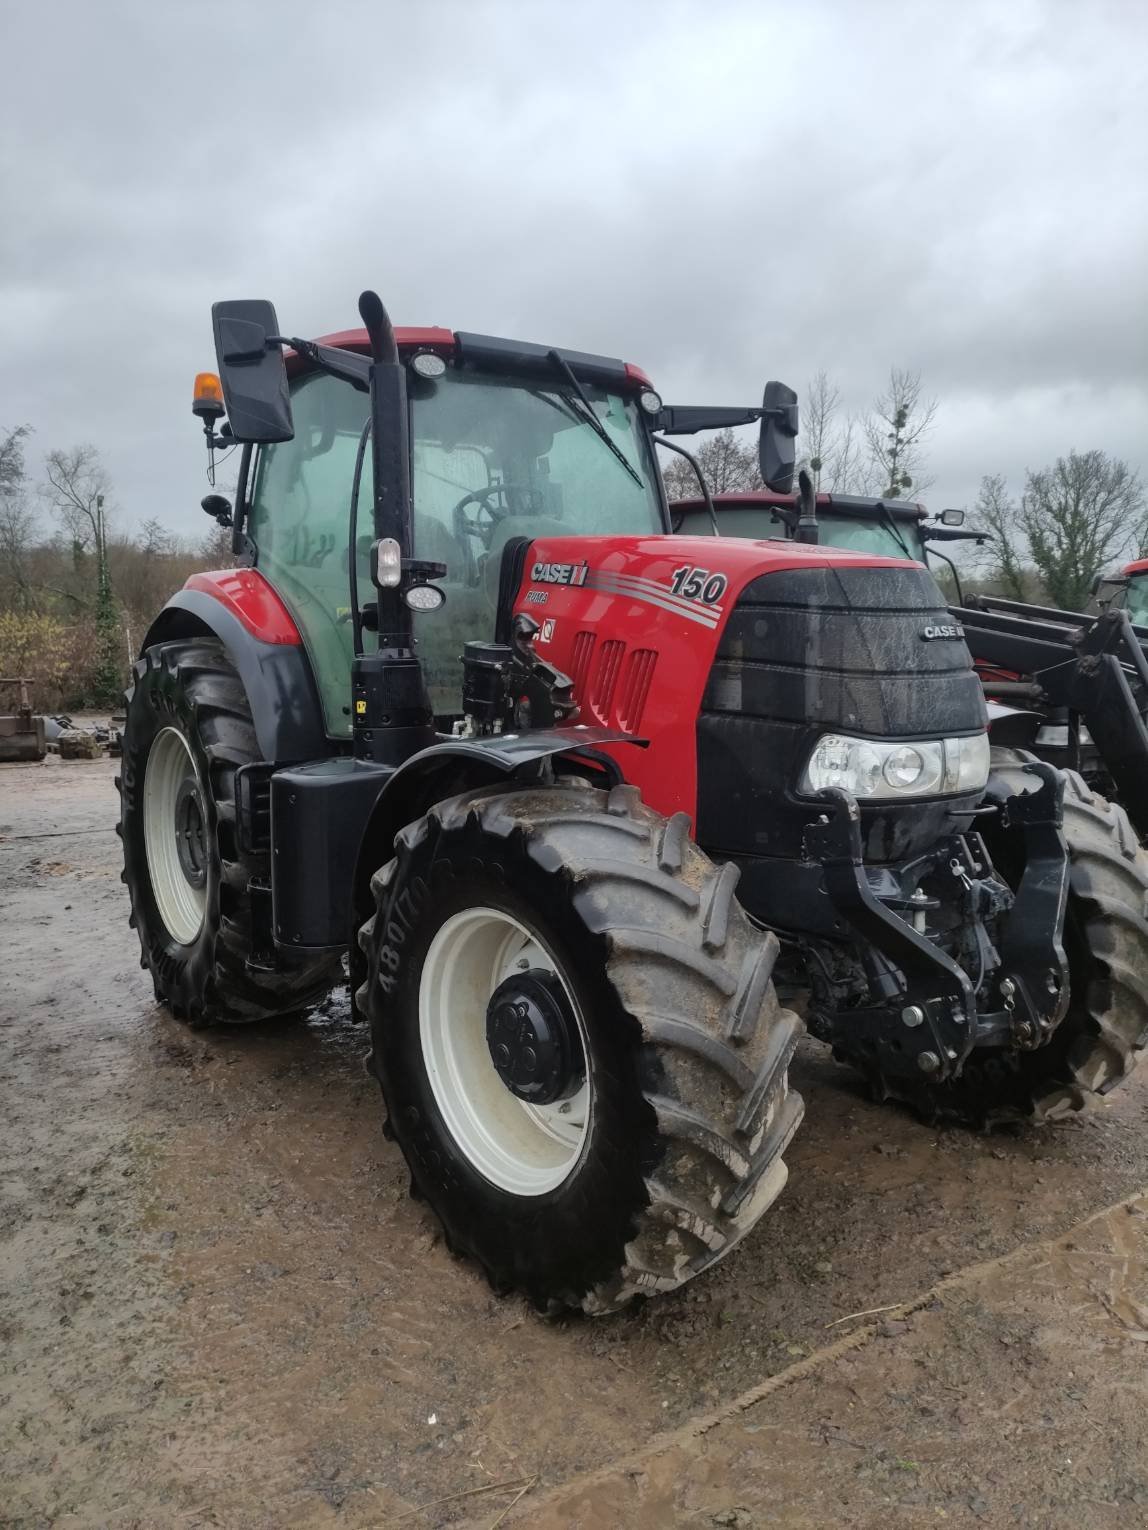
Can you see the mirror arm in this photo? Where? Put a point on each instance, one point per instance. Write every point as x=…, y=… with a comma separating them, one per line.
x=934, y=533
x=688, y=419
x=672, y=446
x=348, y=365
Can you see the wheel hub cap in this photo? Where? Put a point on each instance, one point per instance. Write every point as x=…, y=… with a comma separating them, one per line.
x=189, y=837
x=497, y=1019
x=533, y=1038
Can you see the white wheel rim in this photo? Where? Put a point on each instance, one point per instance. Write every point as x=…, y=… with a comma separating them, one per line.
x=180, y=904
x=523, y=1148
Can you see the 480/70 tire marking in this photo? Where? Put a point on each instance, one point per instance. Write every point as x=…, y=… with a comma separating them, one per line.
x=403, y=914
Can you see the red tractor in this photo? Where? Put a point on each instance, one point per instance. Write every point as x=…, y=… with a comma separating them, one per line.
x=569, y=791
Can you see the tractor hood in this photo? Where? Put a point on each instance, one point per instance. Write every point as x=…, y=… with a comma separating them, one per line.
x=735, y=656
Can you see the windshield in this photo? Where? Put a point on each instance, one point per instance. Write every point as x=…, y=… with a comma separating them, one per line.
x=1136, y=600
x=875, y=536
x=493, y=457
x=760, y=522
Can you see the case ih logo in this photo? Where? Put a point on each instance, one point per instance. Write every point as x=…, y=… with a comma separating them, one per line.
x=945, y=630
x=559, y=573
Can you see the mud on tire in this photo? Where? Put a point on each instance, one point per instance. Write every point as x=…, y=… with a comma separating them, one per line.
x=1105, y=1031
x=686, y=1045
x=220, y=976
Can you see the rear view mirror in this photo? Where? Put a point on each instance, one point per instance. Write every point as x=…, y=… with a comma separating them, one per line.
x=952, y=517
x=776, y=449
x=252, y=372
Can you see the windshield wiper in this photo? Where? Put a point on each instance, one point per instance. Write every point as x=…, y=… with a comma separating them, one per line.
x=591, y=415
x=896, y=531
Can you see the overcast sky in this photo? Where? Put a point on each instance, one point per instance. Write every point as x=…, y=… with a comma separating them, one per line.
x=719, y=191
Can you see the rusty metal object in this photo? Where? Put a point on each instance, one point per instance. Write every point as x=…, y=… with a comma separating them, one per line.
x=21, y=732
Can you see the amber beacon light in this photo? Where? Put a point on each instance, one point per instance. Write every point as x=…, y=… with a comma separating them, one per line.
x=207, y=396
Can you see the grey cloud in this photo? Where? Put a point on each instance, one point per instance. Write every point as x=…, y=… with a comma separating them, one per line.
x=719, y=191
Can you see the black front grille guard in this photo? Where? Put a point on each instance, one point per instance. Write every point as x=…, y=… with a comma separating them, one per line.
x=929, y=1021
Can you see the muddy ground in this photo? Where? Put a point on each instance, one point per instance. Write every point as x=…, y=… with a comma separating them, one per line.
x=219, y=1306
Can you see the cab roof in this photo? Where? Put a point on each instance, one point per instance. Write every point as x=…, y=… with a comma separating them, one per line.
x=492, y=351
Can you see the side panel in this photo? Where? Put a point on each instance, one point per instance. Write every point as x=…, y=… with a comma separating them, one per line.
x=636, y=622
x=275, y=672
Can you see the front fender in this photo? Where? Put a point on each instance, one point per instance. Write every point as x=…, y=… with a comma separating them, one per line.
x=1012, y=728
x=456, y=765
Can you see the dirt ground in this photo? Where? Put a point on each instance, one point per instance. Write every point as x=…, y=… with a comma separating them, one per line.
x=220, y=1307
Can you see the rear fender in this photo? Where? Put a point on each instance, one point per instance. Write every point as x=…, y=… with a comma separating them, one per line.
x=276, y=674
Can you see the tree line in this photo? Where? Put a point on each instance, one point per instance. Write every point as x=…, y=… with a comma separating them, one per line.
x=77, y=590
x=1072, y=520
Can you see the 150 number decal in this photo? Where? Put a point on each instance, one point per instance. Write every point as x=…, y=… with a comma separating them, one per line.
x=698, y=584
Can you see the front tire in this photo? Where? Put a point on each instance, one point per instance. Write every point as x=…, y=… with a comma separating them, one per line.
x=188, y=731
x=670, y=1148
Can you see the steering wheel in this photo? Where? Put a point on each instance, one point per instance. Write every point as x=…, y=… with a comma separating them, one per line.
x=482, y=523
x=486, y=517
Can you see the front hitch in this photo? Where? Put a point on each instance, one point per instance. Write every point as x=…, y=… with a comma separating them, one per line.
x=928, y=1020
x=928, y=1024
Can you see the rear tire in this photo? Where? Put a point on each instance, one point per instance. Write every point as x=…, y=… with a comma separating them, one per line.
x=1102, y=1036
x=685, y=1104
x=188, y=731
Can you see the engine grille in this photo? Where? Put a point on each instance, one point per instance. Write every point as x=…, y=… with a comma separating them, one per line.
x=808, y=651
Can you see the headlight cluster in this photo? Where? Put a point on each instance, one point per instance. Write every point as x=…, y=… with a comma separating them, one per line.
x=872, y=768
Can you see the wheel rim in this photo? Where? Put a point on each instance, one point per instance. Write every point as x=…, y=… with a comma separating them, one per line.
x=523, y=1148
x=175, y=835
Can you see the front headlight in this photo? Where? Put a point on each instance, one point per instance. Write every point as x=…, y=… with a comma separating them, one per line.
x=876, y=768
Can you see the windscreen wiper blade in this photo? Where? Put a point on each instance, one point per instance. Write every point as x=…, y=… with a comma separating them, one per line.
x=590, y=415
x=896, y=531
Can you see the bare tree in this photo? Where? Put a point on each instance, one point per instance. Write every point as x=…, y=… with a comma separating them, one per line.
x=849, y=473
x=76, y=488
x=818, y=426
x=215, y=549
x=895, y=433
x=833, y=445
x=17, y=522
x=1080, y=516
x=12, y=470
x=730, y=466
x=999, y=515
x=158, y=540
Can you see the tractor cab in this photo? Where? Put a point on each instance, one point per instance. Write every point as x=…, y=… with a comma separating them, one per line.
x=1131, y=592
x=508, y=441
x=497, y=452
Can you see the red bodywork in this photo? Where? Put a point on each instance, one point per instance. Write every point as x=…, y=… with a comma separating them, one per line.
x=1140, y=566
x=247, y=595
x=639, y=655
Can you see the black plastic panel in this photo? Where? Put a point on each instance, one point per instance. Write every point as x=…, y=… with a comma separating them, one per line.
x=318, y=813
x=810, y=651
